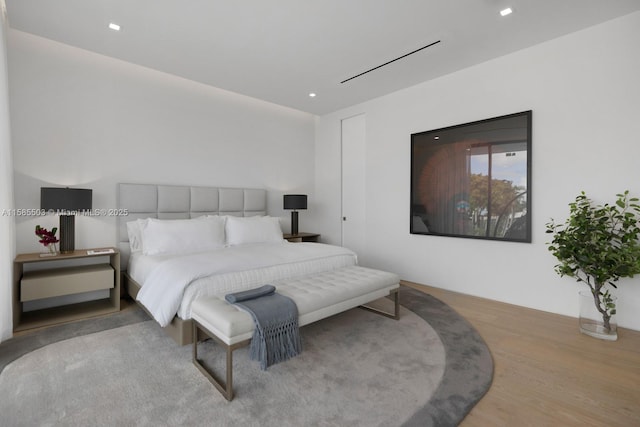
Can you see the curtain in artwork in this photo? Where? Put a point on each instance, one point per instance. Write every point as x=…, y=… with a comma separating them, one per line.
x=443, y=187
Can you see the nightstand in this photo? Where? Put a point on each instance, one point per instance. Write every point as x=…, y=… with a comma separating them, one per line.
x=302, y=237
x=55, y=279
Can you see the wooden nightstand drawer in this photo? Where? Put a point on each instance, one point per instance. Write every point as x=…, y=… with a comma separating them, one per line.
x=65, y=281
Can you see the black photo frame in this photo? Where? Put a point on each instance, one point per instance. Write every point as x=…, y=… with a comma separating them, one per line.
x=473, y=180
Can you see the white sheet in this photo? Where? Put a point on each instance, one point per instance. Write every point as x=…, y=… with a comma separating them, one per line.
x=141, y=265
x=173, y=283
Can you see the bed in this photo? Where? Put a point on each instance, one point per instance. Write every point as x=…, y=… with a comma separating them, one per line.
x=168, y=264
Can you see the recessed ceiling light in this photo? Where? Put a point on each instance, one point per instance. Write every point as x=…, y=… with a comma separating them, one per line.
x=505, y=12
x=114, y=27
x=312, y=95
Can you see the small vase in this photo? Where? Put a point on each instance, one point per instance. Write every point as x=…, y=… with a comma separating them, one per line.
x=591, y=322
x=50, y=250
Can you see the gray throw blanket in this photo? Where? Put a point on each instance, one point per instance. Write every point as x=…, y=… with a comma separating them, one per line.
x=276, y=336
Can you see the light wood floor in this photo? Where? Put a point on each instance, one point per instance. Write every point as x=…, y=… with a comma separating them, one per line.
x=546, y=372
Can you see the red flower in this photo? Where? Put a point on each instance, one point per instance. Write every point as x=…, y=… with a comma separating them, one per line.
x=46, y=237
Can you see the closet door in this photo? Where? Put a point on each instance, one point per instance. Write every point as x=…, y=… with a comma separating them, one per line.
x=353, y=183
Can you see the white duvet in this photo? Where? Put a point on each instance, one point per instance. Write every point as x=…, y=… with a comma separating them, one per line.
x=172, y=284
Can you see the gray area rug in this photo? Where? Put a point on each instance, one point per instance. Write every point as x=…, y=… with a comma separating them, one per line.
x=357, y=368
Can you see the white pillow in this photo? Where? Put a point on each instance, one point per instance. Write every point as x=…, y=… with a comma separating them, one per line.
x=253, y=229
x=135, y=235
x=182, y=236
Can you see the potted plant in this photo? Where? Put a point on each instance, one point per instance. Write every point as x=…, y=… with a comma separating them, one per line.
x=598, y=245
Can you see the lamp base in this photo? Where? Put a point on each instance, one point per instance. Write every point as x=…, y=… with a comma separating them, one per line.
x=67, y=233
x=294, y=222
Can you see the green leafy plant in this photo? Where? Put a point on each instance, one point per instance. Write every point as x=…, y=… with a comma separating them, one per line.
x=598, y=245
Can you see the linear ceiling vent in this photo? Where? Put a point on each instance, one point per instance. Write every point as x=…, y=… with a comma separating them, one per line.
x=389, y=62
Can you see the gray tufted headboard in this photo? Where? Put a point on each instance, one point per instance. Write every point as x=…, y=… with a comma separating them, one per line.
x=182, y=202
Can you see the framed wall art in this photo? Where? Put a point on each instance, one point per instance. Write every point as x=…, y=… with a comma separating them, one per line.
x=473, y=180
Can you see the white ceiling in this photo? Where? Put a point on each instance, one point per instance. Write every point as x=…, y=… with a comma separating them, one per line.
x=281, y=50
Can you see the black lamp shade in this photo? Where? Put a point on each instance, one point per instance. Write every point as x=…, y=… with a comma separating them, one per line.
x=66, y=202
x=295, y=201
x=65, y=199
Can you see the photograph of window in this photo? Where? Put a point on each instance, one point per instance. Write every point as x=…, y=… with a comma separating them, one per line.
x=473, y=180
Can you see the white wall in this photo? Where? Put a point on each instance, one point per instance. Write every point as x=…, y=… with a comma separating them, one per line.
x=7, y=238
x=86, y=120
x=584, y=91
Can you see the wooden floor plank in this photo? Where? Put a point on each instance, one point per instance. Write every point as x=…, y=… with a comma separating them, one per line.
x=546, y=372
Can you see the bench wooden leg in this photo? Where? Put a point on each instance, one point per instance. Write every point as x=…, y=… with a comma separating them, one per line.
x=396, y=306
x=224, y=387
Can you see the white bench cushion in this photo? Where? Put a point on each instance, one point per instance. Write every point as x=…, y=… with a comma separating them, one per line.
x=317, y=296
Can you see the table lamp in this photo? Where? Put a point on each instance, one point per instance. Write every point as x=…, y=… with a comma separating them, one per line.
x=66, y=202
x=295, y=202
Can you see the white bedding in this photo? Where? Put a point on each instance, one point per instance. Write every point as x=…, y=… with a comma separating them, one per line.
x=171, y=284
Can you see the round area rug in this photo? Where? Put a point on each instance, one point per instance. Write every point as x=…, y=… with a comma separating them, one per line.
x=356, y=368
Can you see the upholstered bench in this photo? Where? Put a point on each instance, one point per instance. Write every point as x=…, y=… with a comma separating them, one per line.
x=317, y=296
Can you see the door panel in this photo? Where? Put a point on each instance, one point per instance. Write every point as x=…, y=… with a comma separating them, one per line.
x=353, y=183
